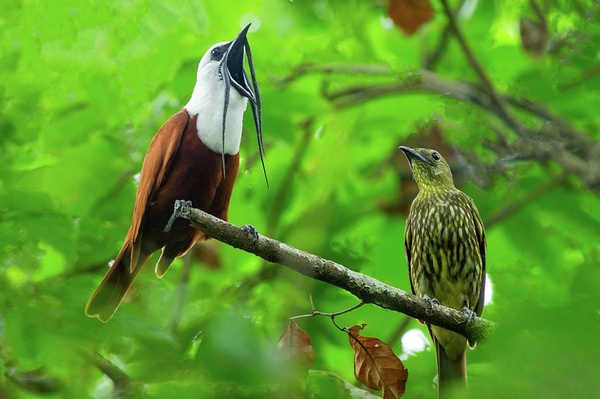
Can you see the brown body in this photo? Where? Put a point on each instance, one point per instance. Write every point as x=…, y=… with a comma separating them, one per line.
x=177, y=166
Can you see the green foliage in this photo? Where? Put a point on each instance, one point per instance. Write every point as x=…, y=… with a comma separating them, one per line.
x=87, y=84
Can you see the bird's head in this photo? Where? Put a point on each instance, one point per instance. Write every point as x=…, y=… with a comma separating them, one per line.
x=429, y=168
x=221, y=69
x=223, y=63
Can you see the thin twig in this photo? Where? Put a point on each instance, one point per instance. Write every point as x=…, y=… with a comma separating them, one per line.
x=466, y=49
x=495, y=99
x=416, y=81
x=514, y=207
x=282, y=195
x=433, y=57
x=315, y=312
x=538, y=11
x=546, y=115
x=124, y=386
x=555, y=140
x=585, y=74
x=425, y=80
x=36, y=382
x=303, y=69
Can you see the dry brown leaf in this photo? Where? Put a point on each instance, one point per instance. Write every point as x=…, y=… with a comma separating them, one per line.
x=534, y=36
x=410, y=15
x=295, y=350
x=294, y=345
x=376, y=365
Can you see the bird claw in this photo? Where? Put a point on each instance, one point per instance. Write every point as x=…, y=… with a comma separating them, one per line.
x=251, y=232
x=469, y=314
x=181, y=209
x=431, y=302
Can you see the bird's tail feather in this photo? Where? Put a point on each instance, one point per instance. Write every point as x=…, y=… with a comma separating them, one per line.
x=109, y=294
x=452, y=374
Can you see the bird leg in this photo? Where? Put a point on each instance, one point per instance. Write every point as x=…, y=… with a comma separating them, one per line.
x=251, y=231
x=470, y=316
x=469, y=313
x=182, y=209
x=431, y=302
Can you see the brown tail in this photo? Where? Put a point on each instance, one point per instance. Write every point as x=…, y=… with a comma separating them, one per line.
x=452, y=374
x=109, y=294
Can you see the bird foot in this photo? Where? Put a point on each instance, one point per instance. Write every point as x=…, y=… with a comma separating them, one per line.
x=251, y=232
x=470, y=316
x=431, y=302
x=469, y=313
x=182, y=209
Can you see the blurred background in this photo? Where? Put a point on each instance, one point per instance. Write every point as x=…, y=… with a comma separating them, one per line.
x=512, y=105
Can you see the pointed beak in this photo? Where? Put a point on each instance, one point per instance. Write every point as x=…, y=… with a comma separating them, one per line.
x=413, y=154
x=232, y=70
x=234, y=60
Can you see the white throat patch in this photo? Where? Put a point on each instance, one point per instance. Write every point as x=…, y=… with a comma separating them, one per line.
x=208, y=105
x=207, y=102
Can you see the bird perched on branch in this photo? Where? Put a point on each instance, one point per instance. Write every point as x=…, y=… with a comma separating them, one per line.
x=194, y=156
x=445, y=248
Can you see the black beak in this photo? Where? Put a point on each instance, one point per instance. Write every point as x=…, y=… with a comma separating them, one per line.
x=232, y=70
x=234, y=61
x=413, y=154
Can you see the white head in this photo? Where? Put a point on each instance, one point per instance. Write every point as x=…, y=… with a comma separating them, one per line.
x=221, y=94
x=208, y=101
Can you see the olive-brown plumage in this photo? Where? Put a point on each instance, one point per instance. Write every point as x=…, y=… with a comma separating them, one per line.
x=445, y=248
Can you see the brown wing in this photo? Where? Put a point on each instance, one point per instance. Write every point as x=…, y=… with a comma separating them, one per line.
x=480, y=231
x=156, y=165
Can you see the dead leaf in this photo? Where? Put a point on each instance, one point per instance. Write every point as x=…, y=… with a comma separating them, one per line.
x=534, y=36
x=295, y=350
x=409, y=15
x=376, y=365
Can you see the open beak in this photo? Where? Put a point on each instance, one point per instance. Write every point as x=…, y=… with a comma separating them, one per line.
x=232, y=70
x=413, y=154
x=234, y=63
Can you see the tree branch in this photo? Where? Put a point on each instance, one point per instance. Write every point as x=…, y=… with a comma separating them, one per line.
x=432, y=58
x=510, y=208
x=281, y=196
x=36, y=382
x=367, y=289
x=555, y=139
x=124, y=386
x=495, y=100
x=278, y=204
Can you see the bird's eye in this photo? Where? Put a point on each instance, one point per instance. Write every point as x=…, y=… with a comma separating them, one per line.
x=216, y=54
x=435, y=156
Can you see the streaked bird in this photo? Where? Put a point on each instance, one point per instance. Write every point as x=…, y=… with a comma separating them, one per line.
x=445, y=247
x=194, y=156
